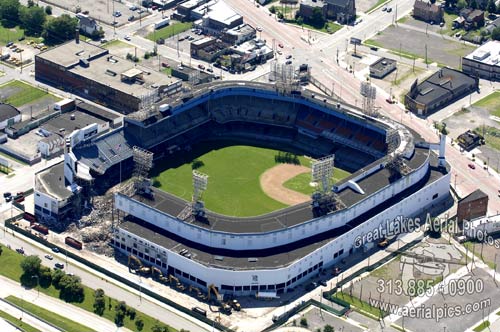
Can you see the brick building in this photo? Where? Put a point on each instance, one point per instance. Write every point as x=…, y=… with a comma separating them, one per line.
x=472, y=206
x=427, y=11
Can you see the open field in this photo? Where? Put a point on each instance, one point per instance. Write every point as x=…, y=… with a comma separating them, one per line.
x=17, y=322
x=491, y=103
x=10, y=262
x=18, y=93
x=169, y=31
x=51, y=317
x=301, y=182
x=491, y=136
x=233, y=183
x=10, y=34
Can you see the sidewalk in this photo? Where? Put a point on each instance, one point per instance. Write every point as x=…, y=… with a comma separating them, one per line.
x=57, y=306
x=26, y=318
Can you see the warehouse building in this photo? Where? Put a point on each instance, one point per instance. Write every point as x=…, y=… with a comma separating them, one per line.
x=484, y=61
x=442, y=88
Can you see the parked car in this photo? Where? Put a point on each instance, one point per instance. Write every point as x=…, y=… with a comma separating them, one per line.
x=322, y=283
x=258, y=29
x=56, y=250
x=133, y=7
x=127, y=38
x=289, y=62
x=6, y=194
x=280, y=45
x=389, y=9
x=289, y=56
x=201, y=66
x=9, y=44
x=20, y=250
x=58, y=266
x=384, y=9
x=472, y=166
x=131, y=18
x=49, y=257
x=165, y=65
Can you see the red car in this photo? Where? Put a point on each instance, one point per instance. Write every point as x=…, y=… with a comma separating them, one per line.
x=165, y=65
x=472, y=166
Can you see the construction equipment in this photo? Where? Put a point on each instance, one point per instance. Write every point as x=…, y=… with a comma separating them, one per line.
x=157, y=274
x=177, y=284
x=225, y=308
x=134, y=263
x=196, y=290
x=144, y=270
x=235, y=305
x=212, y=288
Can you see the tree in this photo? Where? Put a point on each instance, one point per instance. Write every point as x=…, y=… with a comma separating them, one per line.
x=433, y=1
x=31, y=3
x=45, y=276
x=131, y=313
x=159, y=328
x=56, y=277
x=9, y=12
x=317, y=18
x=71, y=289
x=60, y=29
x=473, y=4
x=32, y=19
x=492, y=8
x=272, y=10
x=328, y=328
x=461, y=4
x=48, y=10
x=31, y=265
x=495, y=34
x=303, y=322
x=99, y=302
x=1, y=250
x=139, y=324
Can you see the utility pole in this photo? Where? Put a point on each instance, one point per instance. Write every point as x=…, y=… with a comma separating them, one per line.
x=426, y=61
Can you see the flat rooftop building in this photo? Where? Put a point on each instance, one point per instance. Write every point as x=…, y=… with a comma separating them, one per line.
x=90, y=71
x=382, y=67
x=444, y=87
x=484, y=61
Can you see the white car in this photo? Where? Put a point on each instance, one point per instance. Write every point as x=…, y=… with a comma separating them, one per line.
x=49, y=257
x=127, y=38
x=259, y=29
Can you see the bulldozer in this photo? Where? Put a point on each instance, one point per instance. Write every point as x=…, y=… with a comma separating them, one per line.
x=175, y=281
x=225, y=308
x=145, y=271
x=196, y=290
x=235, y=304
x=157, y=274
x=134, y=263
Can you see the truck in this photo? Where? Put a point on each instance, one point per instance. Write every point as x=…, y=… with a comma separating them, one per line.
x=29, y=217
x=41, y=228
x=64, y=105
x=162, y=23
x=73, y=243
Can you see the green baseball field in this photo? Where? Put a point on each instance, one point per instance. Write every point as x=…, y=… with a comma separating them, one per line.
x=234, y=172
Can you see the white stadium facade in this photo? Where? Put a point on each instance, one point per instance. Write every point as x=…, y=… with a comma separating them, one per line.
x=273, y=252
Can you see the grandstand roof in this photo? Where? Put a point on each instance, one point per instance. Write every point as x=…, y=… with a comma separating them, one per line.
x=51, y=181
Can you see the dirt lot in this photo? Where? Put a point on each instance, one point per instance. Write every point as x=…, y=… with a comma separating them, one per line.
x=442, y=51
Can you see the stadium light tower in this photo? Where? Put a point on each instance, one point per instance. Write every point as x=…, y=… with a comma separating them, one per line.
x=322, y=172
x=369, y=94
x=200, y=182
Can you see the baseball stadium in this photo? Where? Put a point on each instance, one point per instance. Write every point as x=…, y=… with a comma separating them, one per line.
x=255, y=188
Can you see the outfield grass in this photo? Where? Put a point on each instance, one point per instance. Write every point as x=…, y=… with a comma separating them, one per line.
x=169, y=31
x=301, y=182
x=51, y=317
x=25, y=95
x=10, y=34
x=233, y=184
x=17, y=322
x=10, y=262
x=491, y=102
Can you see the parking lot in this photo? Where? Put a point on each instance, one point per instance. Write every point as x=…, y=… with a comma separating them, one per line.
x=20, y=52
x=412, y=42
x=101, y=10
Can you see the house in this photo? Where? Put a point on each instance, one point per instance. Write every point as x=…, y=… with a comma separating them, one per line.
x=428, y=12
x=469, y=140
x=87, y=24
x=342, y=11
x=474, y=19
x=458, y=22
x=492, y=25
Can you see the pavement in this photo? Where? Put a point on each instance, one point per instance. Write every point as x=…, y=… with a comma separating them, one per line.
x=113, y=288
x=9, y=287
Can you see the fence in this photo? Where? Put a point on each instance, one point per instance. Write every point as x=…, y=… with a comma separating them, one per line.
x=119, y=278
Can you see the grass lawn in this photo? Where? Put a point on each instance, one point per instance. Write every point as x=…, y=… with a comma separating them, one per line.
x=491, y=136
x=10, y=34
x=360, y=305
x=371, y=42
x=491, y=102
x=482, y=326
x=475, y=248
x=10, y=262
x=51, y=317
x=448, y=21
x=17, y=322
x=167, y=71
x=301, y=182
x=233, y=184
x=169, y=31
x=25, y=95
x=410, y=73
x=330, y=27
x=116, y=43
